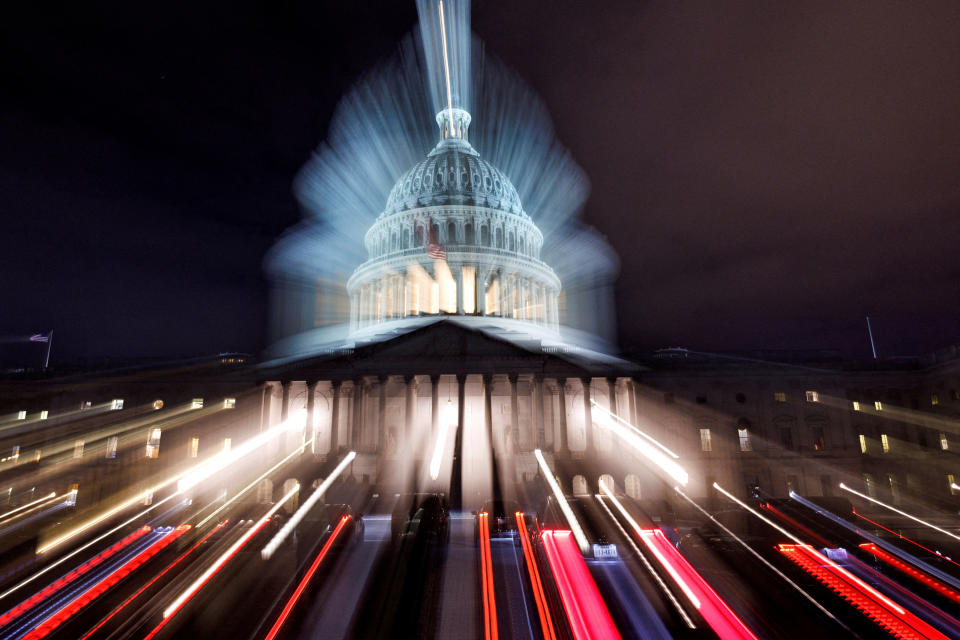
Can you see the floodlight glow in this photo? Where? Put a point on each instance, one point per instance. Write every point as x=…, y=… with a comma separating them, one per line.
x=902, y=513
x=308, y=504
x=611, y=414
x=648, y=447
x=229, y=553
x=562, y=501
x=440, y=445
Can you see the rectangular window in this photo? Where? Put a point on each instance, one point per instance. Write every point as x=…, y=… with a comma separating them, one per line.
x=44, y=414
x=157, y=405
x=21, y=415
x=779, y=396
x=744, y=436
x=705, y=442
x=813, y=396
x=870, y=484
x=15, y=454
x=786, y=438
x=884, y=443
x=116, y=404
x=878, y=405
x=196, y=403
x=944, y=443
x=86, y=405
x=863, y=443
x=112, y=447
x=78, y=449
x=952, y=485
x=818, y=443
x=227, y=443
x=934, y=399
x=894, y=488
x=856, y=406
x=153, y=443
x=194, y=447
x=229, y=403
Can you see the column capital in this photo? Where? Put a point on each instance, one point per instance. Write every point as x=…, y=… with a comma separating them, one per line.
x=383, y=379
x=434, y=379
x=513, y=377
x=462, y=378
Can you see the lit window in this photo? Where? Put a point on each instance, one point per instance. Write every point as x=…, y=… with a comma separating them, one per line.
x=147, y=499
x=744, y=436
x=157, y=404
x=934, y=399
x=112, y=447
x=779, y=396
x=116, y=404
x=86, y=405
x=894, y=488
x=15, y=454
x=952, y=485
x=705, y=443
x=21, y=415
x=818, y=442
x=229, y=403
x=813, y=396
x=194, y=447
x=944, y=444
x=856, y=406
x=227, y=442
x=884, y=443
x=78, y=449
x=153, y=443
x=36, y=457
x=870, y=484
x=863, y=443
x=44, y=414
x=196, y=403
x=878, y=405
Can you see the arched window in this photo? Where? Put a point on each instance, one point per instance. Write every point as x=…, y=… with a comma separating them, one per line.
x=468, y=233
x=485, y=235
x=406, y=238
x=607, y=481
x=288, y=486
x=511, y=242
x=580, y=486
x=451, y=232
x=633, y=487
x=265, y=491
x=498, y=238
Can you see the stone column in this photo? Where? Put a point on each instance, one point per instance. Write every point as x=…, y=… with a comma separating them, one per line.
x=459, y=276
x=380, y=445
x=357, y=428
x=456, y=472
x=536, y=389
x=587, y=415
x=564, y=435
x=310, y=427
x=514, y=415
x=612, y=393
x=409, y=411
x=434, y=405
x=335, y=418
x=285, y=401
x=488, y=408
x=481, y=289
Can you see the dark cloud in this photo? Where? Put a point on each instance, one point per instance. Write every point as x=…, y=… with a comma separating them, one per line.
x=768, y=172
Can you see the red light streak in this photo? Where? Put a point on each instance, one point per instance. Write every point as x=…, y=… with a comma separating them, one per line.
x=905, y=538
x=874, y=605
x=486, y=571
x=275, y=629
x=192, y=591
x=711, y=606
x=40, y=596
x=916, y=574
x=796, y=525
x=149, y=584
x=543, y=611
x=585, y=609
x=97, y=590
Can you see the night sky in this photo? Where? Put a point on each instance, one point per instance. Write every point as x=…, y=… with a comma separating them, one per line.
x=769, y=173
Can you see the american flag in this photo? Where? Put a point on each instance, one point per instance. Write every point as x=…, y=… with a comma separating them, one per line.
x=40, y=337
x=436, y=251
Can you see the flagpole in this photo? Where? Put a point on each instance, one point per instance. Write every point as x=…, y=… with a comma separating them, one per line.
x=46, y=361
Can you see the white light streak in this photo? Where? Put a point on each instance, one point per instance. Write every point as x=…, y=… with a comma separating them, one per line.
x=440, y=444
x=50, y=495
x=308, y=504
x=655, y=454
x=895, y=510
x=640, y=433
x=562, y=501
x=743, y=504
x=446, y=68
x=199, y=582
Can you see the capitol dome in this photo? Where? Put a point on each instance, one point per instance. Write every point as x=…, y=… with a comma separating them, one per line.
x=453, y=173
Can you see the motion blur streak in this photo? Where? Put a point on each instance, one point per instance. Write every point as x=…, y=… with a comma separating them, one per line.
x=862, y=596
x=49, y=496
x=757, y=513
x=253, y=484
x=902, y=513
x=756, y=555
x=609, y=414
x=222, y=560
x=586, y=612
x=903, y=567
x=902, y=537
x=486, y=573
x=714, y=610
x=149, y=584
x=883, y=544
x=275, y=629
x=39, y=597
x=562, y=501
x=643, y=559
x=543, y=610
x=653, y=452
x=305, y=507
x=97, y=590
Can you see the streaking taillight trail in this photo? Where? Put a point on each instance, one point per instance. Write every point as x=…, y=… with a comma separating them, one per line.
x=916, y=574
x=486, y=578
x=889, y=615
x=585, y=609
x=543, y=611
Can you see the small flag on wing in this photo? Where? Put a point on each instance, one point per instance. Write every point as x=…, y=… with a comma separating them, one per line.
x=40, y=337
